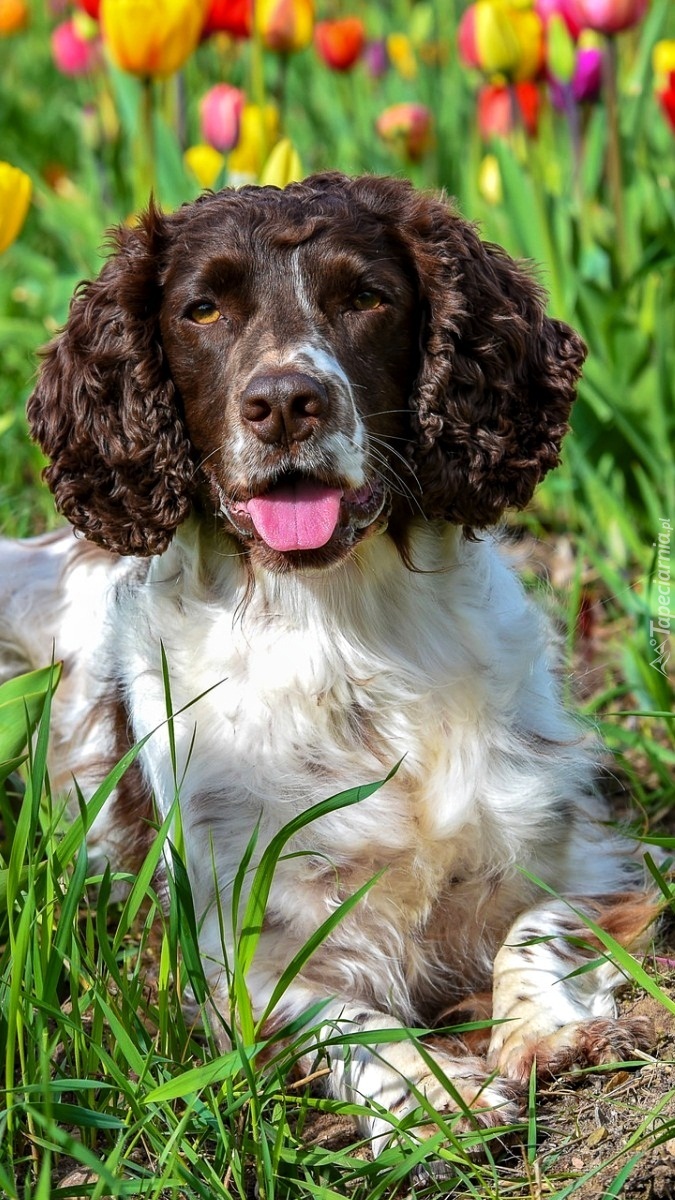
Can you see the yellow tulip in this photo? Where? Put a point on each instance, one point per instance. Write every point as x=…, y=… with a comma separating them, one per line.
x=284, y=25
x=663, y=61
x=402, y=55
x=504, y=38
x=283, y=165
x=15, y=192
x=258, y=132
x=205, y=163
x=490, y=180
x=152, y=37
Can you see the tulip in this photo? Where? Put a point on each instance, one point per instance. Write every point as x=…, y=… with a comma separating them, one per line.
x=229, y=16
x=500, y=109
x=91, y=7
x=504, y=41
x=259, y=130
x=663, y=60
x=13, y=16
x=559, y=8
x=15, y=190
x=220, y=114
x=72, y=53
x=282, y=167
x=608, y=16
x=285, y=25
x=407, y=128
x=588, y=72
x=490, y=180
x=401, y=55
x=340, y=43
x=376, y=59
x=205, y=163
x=152, y=37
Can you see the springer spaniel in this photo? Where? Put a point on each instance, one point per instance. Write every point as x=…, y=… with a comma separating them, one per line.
x=286, y=419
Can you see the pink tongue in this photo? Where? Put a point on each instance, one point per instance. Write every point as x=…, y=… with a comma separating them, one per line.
x=299, y=516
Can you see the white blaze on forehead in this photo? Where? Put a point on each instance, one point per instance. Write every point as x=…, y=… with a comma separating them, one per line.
x=300, y=284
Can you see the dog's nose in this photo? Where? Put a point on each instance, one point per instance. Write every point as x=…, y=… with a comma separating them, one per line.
x=284, y=407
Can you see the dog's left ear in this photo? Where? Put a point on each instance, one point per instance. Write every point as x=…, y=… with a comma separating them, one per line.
x=497, y=378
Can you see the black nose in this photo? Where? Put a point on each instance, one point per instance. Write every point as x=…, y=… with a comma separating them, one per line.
x=284, y=406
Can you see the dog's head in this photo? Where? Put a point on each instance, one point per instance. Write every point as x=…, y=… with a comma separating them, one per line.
x=307, y=364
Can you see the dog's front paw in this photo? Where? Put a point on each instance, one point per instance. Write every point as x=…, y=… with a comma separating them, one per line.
x=578, y=1044
x=463, y=1095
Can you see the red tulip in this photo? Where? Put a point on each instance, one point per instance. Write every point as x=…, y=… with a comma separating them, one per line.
x=92, y=7
x=229, y=16
x=220, y=111
x=500, y=109
x=608, y=16
x=340, y=43
x=73, y=54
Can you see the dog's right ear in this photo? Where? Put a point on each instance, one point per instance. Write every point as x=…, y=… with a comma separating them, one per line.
x=105, y=408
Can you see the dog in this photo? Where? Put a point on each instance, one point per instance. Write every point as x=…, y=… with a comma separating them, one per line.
x=286, y=422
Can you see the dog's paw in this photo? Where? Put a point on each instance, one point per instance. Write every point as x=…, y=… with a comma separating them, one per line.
x=576, y=1045
x=466, y=1099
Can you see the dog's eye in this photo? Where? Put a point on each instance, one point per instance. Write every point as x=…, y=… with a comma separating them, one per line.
x=204, y=314
x=366, y=301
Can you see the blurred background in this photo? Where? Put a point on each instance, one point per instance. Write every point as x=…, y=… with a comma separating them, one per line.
x=551, y=122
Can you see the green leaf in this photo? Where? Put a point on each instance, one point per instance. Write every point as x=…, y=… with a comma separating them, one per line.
x=21, y=703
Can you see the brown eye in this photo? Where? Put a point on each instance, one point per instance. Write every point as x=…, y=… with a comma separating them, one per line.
x=366, y=301
x=204, y=314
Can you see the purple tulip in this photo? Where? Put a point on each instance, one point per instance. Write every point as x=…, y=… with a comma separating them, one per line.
x=376, y=59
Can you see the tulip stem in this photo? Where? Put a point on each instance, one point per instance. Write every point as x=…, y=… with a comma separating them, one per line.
x=146, y=171
x=614, y=171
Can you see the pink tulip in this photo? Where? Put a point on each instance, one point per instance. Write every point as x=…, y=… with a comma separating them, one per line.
x=586, y=82
x=608, y=16
x=73, y=54
x=588, y=69
x=220, y=111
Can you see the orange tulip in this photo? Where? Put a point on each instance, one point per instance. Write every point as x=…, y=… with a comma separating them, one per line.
x=285, y=25
x=152, y=37
x=13, y=16
x=340, y=43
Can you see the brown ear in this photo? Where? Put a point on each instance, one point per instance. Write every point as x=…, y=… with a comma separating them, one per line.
x=497, y=378
x=105, y=408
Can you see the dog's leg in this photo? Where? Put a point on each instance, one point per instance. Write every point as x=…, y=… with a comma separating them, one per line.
x=553, y=1006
